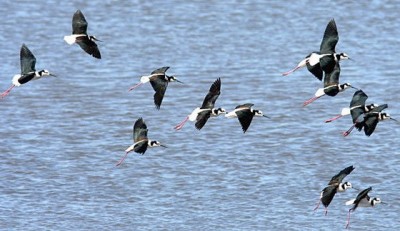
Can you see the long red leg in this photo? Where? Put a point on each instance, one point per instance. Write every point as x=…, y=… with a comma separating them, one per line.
x=310, y=101
x=135, y=86
x=348, y=219
x=346, y=133
x=122, y=160
x=4, y=94
x=180, y=125
x=332, y=119
x=291, y=71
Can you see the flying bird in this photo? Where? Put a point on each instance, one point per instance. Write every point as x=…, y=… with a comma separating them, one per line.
x=325, y=60
x=207, y=110
x=369, y=120
x=159, y=81
x=335, y=185
x=80, y=36
x=140, y=140
x=245, y=114
x=357, y=107
x=362, y=200
x=28, y=70
x=331, y=85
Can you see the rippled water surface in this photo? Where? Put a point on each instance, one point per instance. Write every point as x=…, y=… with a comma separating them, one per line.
x=61, y=137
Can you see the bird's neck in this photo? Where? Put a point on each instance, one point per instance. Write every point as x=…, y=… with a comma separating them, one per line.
x=342, y=187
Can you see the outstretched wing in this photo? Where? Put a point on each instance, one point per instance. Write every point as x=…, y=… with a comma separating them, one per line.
x=327, y=195
x=245, y=117
x=316, y=70
x=246, y=105
x=202, y=118
x=27, y=60
x=212, y=95
x=88, y=46
x=161, y=70
x=359, y=98
x=363, y=194
x=139, y=131
x=79, y=24
x=330, y=39
x=159, y=84
x=336, y=179
x=332, y=78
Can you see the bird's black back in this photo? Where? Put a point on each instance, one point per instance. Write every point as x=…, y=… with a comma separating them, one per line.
x=79, y=23
x=159, y=84
x=161, y=70
x=27, y=60
x=336, y=179
x=331, y=81
x=363, y=194
x=330, y=39
x=370, y=120
x=212, y=96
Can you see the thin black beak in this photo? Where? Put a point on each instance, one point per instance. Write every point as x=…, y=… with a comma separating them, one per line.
x=53, y=75
x=356, y=189
x=354, y=88
x=162, y=145
x=178, y=81
x=351, y=59
x=394, y=120
x=266, y=116
x=95, y=39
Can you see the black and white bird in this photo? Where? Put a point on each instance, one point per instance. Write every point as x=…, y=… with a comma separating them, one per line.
x=245, y=114
x=369, y=120
x=331, y=85
x=326, y=59
x=335, y=185
x=357, y=107
x=28, y=70
x=80, y=36
x=140, y=140
x=362, y=200
x=159, y=81
x=207, y=110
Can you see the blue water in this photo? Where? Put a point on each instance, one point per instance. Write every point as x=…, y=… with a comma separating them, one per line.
x=61, y=137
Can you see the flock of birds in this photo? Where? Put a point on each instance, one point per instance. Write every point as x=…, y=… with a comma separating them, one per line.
x=323, y=64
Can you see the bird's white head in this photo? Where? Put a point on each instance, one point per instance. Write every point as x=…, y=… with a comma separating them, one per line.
x=45, y=73
x=218, y=111
x=155, y=143
x=344, y=86
x=384, y=116
x=93, y=38
x=343, y=56
x=375, y=201
x=173, y=79
x=344, y=186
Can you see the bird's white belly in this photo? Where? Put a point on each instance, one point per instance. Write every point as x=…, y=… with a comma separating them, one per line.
x=15, y=80
x=231, y=114
x=70, y=39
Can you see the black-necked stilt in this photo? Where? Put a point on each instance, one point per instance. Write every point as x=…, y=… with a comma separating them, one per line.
x=357, y=107
x=245, y=114
x=362, y=200
x=28, y=71
x=331, y=85
x=80, y=36
x=369, y=120
x=335, y=185
x=159, y=81
x=326, y=59
x=140, y=140
x=203, y=113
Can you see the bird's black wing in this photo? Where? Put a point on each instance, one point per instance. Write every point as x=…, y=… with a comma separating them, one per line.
x=336, y=179
x=159, y=84
x=370, y=123
x=26, y=78
x=316, y=70
x=363, y=194
x=139, y=131
x=202, y=118
x=161, y=70
x=246, y=105
x=358, y=100
x=332, y=78
x=330, y=39
x=212, y=95
x=88, y=46
x=141, y=147
x=327, y=194
x=27, y=60
x=79, y=24
x=245, y=117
